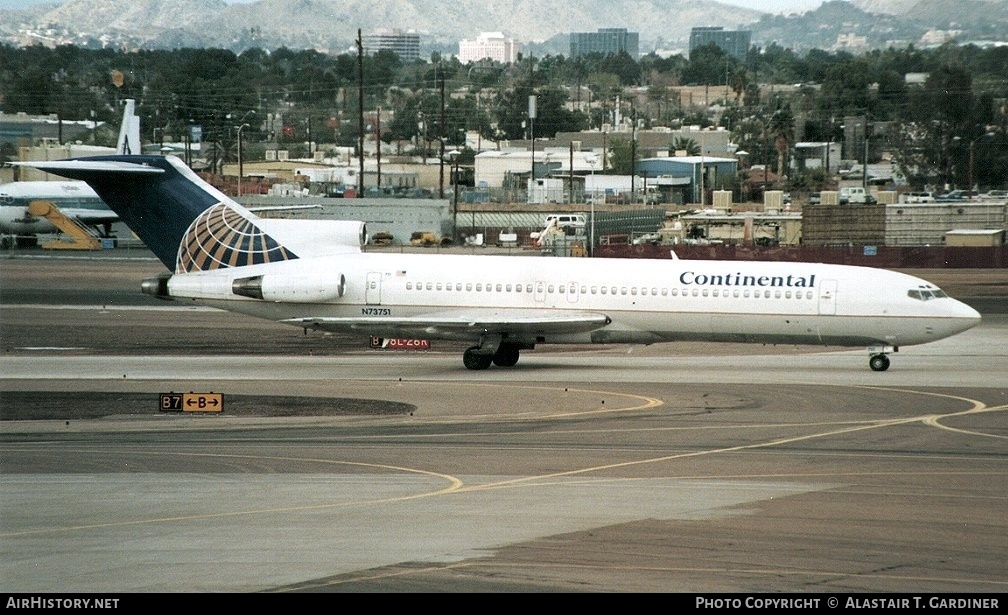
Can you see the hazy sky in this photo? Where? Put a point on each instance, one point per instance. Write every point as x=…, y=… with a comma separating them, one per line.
x=767, y=6
x=776, y=6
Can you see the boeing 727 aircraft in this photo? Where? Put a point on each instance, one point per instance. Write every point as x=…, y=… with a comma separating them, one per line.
x=315, y=274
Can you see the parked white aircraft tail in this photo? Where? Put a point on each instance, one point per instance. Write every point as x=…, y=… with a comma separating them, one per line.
x=129, y=131
x=315, y=274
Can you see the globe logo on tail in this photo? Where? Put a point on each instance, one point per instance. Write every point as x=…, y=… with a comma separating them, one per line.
x=221, y=237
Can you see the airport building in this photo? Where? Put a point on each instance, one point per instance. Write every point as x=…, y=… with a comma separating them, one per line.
x=24, y=130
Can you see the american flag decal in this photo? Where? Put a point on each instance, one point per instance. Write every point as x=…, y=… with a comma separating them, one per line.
x=221, y=237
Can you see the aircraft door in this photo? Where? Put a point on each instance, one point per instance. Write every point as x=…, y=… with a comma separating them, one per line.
x=827, y=297
x=540, y=291
x=572, y=292
x=372, y=293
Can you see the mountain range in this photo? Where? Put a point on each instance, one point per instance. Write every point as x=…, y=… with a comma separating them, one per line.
x=541, y=26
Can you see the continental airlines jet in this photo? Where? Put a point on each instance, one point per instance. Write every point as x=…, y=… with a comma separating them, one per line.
x=315, y=274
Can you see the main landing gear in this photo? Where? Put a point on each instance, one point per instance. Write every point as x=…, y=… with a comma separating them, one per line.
x=483, y=355
x=879, y=359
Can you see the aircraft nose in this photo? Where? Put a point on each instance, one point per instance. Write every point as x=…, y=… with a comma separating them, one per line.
x=965, y=313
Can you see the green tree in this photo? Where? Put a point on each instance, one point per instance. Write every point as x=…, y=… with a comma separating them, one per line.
x=552, y=116
x=687, y=145
x=620, y=156
x=708, y=64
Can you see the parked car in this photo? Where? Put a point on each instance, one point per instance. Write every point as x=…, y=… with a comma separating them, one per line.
x=995, y=195
x=952, y=195
x=647, y=238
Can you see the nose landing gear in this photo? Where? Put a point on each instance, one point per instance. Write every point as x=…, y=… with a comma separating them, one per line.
x=878, y=362
x=879, y=359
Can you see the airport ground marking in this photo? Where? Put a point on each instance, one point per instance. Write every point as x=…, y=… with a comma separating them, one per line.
x=455, y=485
x=524, y=566
x=934, y=419
x=977, y=407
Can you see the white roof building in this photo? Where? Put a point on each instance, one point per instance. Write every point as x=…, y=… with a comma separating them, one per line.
x=491, y=167
x=492, y=45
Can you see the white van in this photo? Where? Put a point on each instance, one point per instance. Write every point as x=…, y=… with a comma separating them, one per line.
x=855, y=195
x=565, y=221
x=917, y=197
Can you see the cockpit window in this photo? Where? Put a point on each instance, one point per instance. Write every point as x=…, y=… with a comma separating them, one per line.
x=926, y=294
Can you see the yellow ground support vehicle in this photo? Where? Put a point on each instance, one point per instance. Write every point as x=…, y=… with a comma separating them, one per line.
x=80, y=237
x=423, y=238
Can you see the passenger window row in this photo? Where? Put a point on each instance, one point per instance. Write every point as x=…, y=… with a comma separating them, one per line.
x=653, y=291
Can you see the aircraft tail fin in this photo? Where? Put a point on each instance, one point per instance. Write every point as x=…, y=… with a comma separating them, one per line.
x=129, y=131
x=187, y=223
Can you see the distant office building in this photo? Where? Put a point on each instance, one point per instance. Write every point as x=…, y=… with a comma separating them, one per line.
x=605, y=42
x=404, y=44
x=733, y=42
x=492, y=45
x=23, y=130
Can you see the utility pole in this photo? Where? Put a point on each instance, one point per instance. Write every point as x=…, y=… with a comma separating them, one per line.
x=441, y=137
x=532, y=116
x=864, y=165
x=310, y=154
x=633, y=150
x=360, y=116
x=570, y=174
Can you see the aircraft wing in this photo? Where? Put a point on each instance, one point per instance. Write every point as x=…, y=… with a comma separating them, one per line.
x=266, y=208
x=464, y=323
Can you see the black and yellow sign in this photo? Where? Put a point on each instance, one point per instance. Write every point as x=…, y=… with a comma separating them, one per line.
x=192, y=402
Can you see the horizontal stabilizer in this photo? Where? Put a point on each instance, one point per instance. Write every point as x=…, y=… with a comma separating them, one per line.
x=79, y=169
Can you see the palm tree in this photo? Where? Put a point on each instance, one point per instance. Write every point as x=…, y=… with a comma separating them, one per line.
x=691, y=147
x=782, y=127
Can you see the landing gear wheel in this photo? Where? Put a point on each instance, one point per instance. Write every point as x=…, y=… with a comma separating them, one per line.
x=472, y=359
x=878, y=362
x=506, y=355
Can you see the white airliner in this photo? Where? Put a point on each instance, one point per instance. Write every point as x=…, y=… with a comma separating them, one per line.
x=316, y=274
x=74, y=199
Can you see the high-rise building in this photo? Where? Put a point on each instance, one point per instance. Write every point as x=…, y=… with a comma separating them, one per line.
x=405, y=44
x=733, y=42
x=492, y=45
x=606, y=41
